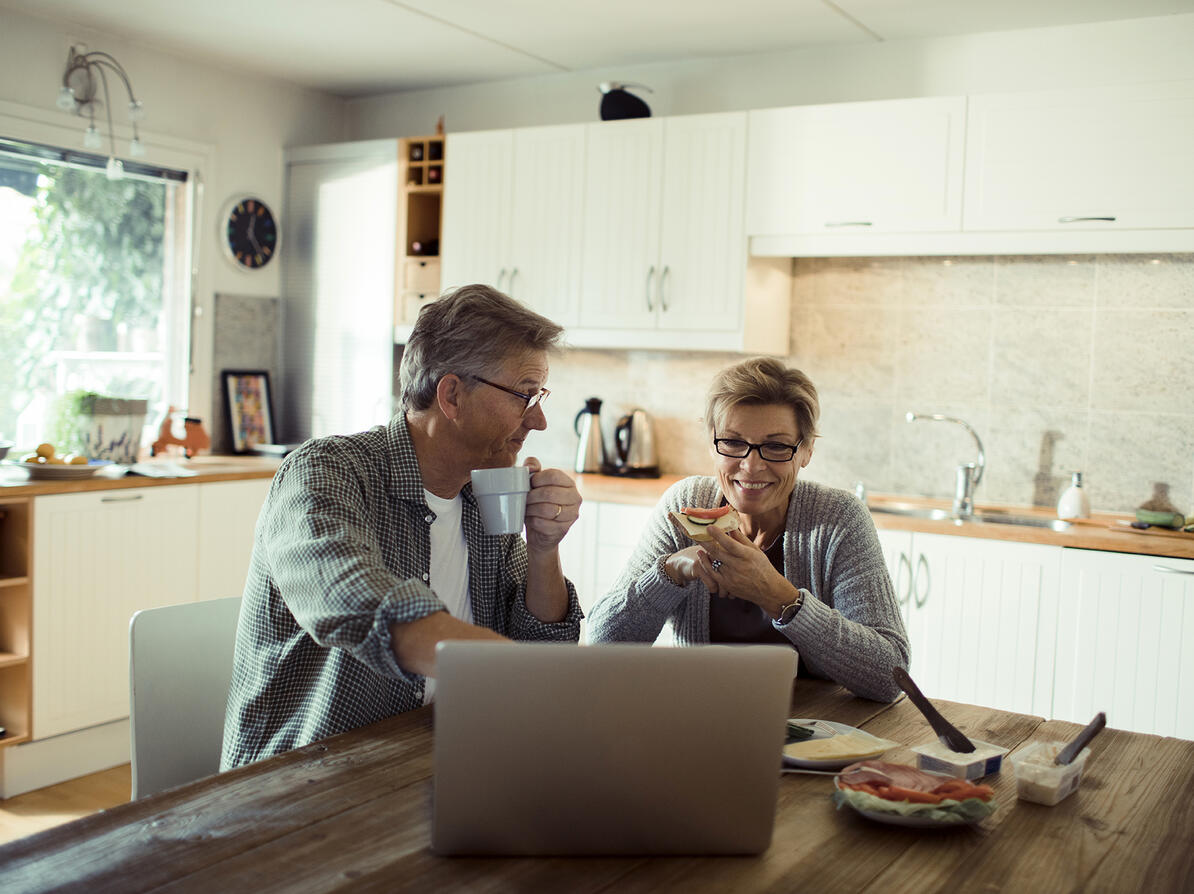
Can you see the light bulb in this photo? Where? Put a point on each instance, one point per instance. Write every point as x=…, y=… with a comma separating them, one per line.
x=115, y=168
x=92, y=138
x=66, y=98
x=136, y=110
x=137, y=148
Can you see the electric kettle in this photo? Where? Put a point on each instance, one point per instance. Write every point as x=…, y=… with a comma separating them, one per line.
x=590, y=450
x=634, y=446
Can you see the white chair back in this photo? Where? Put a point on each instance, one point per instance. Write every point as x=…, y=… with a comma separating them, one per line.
x=180, y=666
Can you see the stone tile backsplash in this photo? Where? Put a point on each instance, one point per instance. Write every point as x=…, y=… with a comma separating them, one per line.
x=1060, y=363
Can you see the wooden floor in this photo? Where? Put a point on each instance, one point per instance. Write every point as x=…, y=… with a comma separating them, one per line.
x=48, y=807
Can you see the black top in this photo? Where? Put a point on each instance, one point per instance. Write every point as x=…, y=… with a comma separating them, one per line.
x=733, y=620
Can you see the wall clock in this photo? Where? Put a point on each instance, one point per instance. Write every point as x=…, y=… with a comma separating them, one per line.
x=250, y=236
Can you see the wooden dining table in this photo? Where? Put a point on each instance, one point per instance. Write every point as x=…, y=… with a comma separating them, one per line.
x=353, y=812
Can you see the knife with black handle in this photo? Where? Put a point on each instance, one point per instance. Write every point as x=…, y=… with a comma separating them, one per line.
x=949, y=735
x=1081, y=740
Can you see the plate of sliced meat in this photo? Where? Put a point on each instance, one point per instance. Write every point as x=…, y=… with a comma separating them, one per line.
x=902, y=795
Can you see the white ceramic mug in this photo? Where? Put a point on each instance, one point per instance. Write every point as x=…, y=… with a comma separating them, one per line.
x=502, y=497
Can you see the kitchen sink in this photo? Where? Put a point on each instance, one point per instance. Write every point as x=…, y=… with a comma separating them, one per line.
x=987, y=516
x=911, y=511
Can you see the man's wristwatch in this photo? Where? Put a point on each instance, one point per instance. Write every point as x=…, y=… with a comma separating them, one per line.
x=788, y=612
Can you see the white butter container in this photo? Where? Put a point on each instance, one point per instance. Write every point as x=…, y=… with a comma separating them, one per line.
x=1040, y=780
x=983, y=761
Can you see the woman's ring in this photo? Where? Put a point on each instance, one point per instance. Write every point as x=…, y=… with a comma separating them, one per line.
x=716, y=564
x=559, y=509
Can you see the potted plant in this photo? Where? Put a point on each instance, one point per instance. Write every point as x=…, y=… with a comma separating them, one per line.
x=99, y=426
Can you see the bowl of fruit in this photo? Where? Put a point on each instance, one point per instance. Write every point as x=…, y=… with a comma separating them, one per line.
x=47, y=463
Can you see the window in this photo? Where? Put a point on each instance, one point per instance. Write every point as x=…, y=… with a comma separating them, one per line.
x=94, y=291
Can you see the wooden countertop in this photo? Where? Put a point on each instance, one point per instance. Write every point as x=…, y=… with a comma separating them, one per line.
x=1101, y=531
x=15, y=482
x=353, y=812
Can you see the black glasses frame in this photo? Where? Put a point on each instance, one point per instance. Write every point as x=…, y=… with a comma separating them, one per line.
x=533, y=400
x=717, y=445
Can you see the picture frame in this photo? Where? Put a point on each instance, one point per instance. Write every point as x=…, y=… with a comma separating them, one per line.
x=248, y=404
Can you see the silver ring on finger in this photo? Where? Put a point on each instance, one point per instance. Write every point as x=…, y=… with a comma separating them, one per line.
x=716, y=563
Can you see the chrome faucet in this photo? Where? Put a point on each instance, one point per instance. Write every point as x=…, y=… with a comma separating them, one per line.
x=968, y=474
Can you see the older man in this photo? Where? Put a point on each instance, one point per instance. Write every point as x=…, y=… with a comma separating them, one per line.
x=370, y=548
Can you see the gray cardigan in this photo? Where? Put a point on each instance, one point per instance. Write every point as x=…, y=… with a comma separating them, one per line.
x=849, y=628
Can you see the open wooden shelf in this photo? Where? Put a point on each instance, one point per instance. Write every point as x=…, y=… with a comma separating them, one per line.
x=16, y=615
x=421, y=172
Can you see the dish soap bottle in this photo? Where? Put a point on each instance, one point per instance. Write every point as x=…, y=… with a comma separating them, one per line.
x=1074, y=502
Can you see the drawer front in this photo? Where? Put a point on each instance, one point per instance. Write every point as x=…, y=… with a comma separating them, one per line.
x=421, y=275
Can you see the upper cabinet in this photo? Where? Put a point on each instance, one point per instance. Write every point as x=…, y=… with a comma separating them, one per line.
x=664, y=257
x=628, y=233
x=1101, y=169
x=1092, y=160
x=830, y=172
x=513, y=213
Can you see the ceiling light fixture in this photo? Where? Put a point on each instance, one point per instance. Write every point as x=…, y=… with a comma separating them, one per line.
x=85, y=74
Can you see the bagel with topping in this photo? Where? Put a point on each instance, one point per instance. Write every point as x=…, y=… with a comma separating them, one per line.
x=697, y=522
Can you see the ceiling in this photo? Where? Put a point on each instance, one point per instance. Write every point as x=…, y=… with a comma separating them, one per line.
x=354, y=48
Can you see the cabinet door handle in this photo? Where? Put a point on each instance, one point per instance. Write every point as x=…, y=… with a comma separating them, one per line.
x=848, y=223
x=130, y=499
x=662, y=287
x=510, y=290
x=904, y=562
x=922, y=562
x=1080, y=219
x=1168, y=570
x=650, y=276
x=501, y=276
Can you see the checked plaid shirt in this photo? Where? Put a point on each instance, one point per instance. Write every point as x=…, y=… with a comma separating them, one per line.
x=341, y=552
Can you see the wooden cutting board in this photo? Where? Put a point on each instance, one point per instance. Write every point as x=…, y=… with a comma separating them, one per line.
x=1154, y=531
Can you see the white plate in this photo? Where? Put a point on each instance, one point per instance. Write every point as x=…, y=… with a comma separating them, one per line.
x=52, y=471
x=909, y=822
x=881, y=745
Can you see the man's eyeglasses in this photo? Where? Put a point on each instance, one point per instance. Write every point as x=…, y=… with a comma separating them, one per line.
x=771, y=451
x=533, y=400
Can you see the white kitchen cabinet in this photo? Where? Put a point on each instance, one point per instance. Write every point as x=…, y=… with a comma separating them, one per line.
x=475, y=238
x=513, y=214
x=228, y=513
x=664, y=260
x=1088, y=161
x=599, y=545
x=981, y=617
x=1125, y=641
x=99, y=556
x=828, y=173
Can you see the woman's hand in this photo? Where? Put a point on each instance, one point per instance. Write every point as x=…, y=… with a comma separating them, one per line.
x=745, y=572
x=688, y=565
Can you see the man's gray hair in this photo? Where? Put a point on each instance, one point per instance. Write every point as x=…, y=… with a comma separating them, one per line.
x=469, y=331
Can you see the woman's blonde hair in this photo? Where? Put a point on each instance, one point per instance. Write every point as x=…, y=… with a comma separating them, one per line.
x=761, y=381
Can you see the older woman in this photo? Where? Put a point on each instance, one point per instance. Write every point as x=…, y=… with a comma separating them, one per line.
x=803, y=569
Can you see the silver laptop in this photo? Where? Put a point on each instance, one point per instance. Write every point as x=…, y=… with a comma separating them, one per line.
x=617, y=749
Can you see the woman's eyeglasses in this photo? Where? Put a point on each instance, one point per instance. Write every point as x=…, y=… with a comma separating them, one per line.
x=771, y=451
x=533, y=400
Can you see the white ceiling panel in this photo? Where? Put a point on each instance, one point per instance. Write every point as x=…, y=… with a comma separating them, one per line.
x=347, y=47
x=362, y=47
x=905, y=19
x=579, y=36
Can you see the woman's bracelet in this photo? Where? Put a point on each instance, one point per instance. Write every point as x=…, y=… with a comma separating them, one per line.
x=663, y=568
